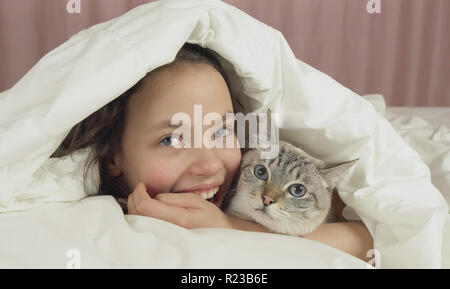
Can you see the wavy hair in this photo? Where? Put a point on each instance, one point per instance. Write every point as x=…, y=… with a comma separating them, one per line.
x=102, y=131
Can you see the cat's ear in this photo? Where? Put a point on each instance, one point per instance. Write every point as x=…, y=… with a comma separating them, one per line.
x=334, y=174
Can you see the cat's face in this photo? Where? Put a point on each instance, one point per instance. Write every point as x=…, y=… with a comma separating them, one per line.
x=290, y=194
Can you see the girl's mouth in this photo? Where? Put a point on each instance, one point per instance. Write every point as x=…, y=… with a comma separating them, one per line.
x=213, y=195
x=217, y=198
x=207, y=194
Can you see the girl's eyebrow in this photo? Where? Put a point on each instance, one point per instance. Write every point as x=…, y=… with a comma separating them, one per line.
x=162, y=125
x=167, y=124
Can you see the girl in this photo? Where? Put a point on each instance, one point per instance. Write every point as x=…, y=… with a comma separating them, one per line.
x=140, y=160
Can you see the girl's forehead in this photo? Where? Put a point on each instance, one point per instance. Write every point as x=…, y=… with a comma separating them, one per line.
x=172, y=91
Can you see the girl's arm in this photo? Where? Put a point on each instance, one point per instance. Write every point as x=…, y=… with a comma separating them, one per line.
x=350, y=237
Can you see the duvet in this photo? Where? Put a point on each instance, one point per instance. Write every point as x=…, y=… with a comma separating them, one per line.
x=48, y=220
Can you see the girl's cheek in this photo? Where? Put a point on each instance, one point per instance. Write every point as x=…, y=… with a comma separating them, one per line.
x=160, y=177
x=232, y=158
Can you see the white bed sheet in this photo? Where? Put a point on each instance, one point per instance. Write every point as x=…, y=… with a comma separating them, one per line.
x=435, y=116
x=427, y=131
x=103, y=237
x=44, y=236
x=390, y=188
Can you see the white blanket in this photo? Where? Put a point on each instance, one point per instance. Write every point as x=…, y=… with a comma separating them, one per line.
x=390, y=189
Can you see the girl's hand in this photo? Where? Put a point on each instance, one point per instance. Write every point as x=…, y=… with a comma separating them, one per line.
x=187, y=210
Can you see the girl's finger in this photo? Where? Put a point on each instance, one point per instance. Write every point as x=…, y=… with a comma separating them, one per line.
x=131, y=208
x=184, y=200
x=147, y=206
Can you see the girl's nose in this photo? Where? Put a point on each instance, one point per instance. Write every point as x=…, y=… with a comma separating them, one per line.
x=206, y=163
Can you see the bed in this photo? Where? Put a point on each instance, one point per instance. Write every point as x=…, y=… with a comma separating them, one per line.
x=426, y=130
x=94, y=233
x=47, y=220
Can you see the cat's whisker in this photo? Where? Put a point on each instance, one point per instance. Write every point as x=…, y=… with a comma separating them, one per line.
x=230, y=191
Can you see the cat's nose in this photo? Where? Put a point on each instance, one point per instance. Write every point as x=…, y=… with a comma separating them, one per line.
x=267, y=200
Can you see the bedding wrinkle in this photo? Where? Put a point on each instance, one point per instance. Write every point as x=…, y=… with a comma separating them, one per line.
x=390, y=189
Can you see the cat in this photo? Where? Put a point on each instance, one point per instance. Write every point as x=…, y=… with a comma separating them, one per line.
x=289, y=194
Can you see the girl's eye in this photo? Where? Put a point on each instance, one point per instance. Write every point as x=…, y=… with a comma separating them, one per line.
x=172, y=140
x=261, y=172
x=297, y=190
x=224, y=131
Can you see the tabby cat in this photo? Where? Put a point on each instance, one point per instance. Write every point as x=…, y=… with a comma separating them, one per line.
x=289, y=194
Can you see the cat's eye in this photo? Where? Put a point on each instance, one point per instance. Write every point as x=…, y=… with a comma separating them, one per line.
x=297, y=190
x=261, y=172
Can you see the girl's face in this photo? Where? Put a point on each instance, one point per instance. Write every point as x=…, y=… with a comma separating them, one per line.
x=148, y=147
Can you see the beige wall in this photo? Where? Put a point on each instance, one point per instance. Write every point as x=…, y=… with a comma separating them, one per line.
x=401, y=53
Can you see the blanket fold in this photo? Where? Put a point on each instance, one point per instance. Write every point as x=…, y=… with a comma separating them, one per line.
x=390, y=188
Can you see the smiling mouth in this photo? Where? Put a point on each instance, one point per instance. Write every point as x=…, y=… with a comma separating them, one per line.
x=207, y=194
x=213, y=194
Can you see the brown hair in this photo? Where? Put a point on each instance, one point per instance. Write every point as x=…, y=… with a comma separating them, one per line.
x=103, y=130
